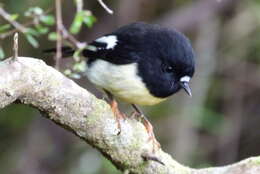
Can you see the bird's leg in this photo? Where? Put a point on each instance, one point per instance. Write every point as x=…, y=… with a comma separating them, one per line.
x=114, y=106
x=148, y=126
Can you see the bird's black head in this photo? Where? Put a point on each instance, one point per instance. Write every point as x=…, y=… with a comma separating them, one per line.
x=169, y=64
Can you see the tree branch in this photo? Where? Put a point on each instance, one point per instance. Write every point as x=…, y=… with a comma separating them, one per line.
x=105, y=6
x=32, y=82
x=9, y=19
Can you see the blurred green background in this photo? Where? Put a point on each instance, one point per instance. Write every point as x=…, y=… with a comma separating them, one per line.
x=219, y=125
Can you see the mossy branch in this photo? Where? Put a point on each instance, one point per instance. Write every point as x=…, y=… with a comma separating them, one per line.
x=34, y=83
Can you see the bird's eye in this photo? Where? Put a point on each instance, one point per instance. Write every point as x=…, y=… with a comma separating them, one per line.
x=169, y=69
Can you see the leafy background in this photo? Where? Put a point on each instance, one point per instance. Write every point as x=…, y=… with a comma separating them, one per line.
x=218, y=125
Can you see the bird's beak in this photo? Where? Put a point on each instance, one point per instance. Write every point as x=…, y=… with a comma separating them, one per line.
x=186, y=87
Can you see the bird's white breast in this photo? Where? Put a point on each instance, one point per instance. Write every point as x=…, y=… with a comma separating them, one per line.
x=122, y=81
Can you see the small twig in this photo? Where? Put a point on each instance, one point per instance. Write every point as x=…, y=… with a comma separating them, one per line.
x=11, y=32
x=8, y=18
x=15, y=47
x=105, y=6
x=28, y=24
x=66, y=35
x=8, y=33
x=79, y=5
x=59, y=34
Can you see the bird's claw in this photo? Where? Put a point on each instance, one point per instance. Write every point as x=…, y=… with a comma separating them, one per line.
x=149, y=157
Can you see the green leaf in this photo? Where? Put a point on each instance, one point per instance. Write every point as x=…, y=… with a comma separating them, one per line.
x=47, y=19
x=41, y=29
x=14, y=16
x=80, y=67
x=77, y=23
x=90, y=20
x=67, y=72
x=32, y=40
x=91, y=48
x=75, y=75
x=52, y=36
x=76, y=55
x=4, y=27
x=2, y=53
x=85, y=17
x=37, y=10
x=33, y=11
x=33, y=32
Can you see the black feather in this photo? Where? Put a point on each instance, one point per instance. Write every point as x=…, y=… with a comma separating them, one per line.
x=66, y=51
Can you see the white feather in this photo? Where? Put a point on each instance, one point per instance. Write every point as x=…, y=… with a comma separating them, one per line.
x=111, y=41
x=122, y=81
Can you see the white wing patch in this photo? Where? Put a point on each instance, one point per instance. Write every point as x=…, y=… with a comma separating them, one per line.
x=111, y=41
x=185, y=79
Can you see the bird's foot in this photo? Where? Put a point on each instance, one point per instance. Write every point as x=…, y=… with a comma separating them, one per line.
x=151, y=137
x=118, y=114
x=149, y=128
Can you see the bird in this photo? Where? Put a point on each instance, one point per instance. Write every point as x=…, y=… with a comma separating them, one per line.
x=141, y=64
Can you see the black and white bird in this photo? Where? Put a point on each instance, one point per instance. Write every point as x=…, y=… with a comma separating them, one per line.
x=141, y=64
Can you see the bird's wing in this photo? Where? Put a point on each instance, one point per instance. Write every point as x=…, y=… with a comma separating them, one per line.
x=113, y=49
x=123, y=46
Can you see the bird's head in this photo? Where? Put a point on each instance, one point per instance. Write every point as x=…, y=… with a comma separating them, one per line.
x=172, y=64
x=178, y=62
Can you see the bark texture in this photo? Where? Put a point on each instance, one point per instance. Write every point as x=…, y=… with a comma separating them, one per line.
x=32, y=82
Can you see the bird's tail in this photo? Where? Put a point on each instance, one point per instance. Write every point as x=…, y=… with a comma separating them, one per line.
x=66, y=51
x=90, y=51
